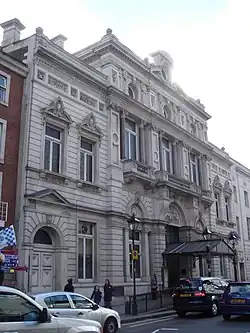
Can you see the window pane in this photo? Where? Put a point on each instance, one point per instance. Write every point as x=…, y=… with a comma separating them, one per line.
x=88, y=258
x=56, y=157
x=133, y=147
x=2, y=94
x=165, y=143
x=47, y=155
x=60, y=302
x=85, y=228
x=80, y=258
x=127, y=145
x=86, y=145
x=194, y=173
x=81, y=302
x=14, y=308
x=1, y=136
x=3, y=81
x=52, y=132
x=130, y=125
x=167, y=160
x=82, y=166
x=89, y=168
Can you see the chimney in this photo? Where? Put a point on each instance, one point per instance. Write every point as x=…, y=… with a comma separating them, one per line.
x=59, y=40
x=11, y=31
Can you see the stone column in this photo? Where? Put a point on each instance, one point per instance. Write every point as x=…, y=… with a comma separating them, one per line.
x=122, y=135
x=142, y=143
x=127, y=277
x=145, y=256
x=160, y=151
x=179, y=160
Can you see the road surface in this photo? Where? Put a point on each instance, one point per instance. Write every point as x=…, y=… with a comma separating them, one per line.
x=191, y=324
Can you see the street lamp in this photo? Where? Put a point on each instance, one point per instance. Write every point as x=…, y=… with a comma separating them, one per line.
x=233, y=239
x=133, y=225
x=207, y=232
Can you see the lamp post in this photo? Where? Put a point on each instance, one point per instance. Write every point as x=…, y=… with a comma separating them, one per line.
x=233, y=239
x=133, y=225
x=206, y=233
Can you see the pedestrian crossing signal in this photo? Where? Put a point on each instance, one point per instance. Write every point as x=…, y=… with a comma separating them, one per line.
x=135, y=255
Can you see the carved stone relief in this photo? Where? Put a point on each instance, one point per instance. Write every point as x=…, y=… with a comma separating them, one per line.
x=217, y=184
x=89, y=124
x=227, y=188
x=56, y=109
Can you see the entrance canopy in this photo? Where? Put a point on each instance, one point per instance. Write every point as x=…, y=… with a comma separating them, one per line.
x=199, y=248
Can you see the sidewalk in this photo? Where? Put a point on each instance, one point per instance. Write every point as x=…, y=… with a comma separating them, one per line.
x=125, y=319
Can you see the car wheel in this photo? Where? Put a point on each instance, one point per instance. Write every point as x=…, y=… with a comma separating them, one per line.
x=214, y=309
x=226, y=316
x=181, y=314
x=110, y=325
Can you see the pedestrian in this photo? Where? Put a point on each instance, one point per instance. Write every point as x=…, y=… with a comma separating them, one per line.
x=154, y=287
x=2, y=261
x=96, y=295
x=69, y=286
x=108, y=293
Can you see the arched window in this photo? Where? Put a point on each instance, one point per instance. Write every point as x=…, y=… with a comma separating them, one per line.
x=193, y=129
x=42, y=237
x=131, y=92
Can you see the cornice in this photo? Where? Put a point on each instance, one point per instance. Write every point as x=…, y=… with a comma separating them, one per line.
x=77, y=71
x=128, y=55
x=220, y=156
x=12, y=64
x=242, y=171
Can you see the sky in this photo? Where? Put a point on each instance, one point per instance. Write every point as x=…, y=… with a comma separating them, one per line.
x=208, y=40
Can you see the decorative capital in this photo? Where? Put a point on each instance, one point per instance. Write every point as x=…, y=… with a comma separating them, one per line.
x=56, y=109
x=89, y=124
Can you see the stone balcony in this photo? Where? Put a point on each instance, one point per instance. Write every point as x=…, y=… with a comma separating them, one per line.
x=224, y=223
x=135, y=170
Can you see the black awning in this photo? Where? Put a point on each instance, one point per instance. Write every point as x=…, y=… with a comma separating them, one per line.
x=217, y=247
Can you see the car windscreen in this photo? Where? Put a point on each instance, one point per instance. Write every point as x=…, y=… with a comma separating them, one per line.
x=189, y=284
x=239, y=288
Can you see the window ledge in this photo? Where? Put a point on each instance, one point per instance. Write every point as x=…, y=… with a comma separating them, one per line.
x=4, y=103
x=54, y=177
x=225, y=223
x=89, y=186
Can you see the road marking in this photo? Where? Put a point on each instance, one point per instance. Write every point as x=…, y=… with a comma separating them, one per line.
x=150, y=321
x=165, y=329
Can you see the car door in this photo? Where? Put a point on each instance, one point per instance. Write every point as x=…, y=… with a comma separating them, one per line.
x=17, y=314
x=59, y=305
x=83, y=308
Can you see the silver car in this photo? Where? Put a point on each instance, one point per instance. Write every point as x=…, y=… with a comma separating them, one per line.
x=74, y=305
x=19, y=313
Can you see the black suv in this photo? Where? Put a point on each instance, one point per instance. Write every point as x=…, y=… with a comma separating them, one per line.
x=198, y=295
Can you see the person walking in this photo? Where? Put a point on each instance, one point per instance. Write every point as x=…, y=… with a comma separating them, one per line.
x=69, y=288
x=96, y=295
x=108, y=293
x=154, y=287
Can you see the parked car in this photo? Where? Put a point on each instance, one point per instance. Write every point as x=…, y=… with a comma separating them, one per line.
x=20, y=313
x=198, y=295
x=74, y=305
x=236, y=300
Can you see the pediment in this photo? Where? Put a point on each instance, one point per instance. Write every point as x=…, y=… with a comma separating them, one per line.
x=50, y=195
x=88, y=124
x=56, y=109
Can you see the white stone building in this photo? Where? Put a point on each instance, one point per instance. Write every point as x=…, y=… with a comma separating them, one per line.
x=107, y=134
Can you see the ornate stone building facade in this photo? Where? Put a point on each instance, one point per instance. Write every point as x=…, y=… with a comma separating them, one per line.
x=107, y=135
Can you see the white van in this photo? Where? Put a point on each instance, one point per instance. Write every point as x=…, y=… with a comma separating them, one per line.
x=19, y=313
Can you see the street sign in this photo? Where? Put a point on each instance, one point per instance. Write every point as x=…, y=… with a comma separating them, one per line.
x=135, y=255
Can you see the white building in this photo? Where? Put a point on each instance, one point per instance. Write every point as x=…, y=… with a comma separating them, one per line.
x=107, y=134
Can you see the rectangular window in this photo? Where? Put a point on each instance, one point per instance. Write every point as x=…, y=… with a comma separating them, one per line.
x=3, y=129
x=53, y=148
x=235, y=194
x=246, y=199
x=86, y=160
x=130, y=140
x=3, y=88
x=137, y=237
x=248, y=228
x=167, y=155
x=227, y=208
x=194, y=169
x=238, y=225
x=85, y=251
x=217, y=205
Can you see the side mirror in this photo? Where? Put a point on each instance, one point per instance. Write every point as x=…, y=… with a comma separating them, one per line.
x=44, y=316
x=95, y=307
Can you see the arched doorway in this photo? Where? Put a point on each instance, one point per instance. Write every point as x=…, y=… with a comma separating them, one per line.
x=43, y=260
